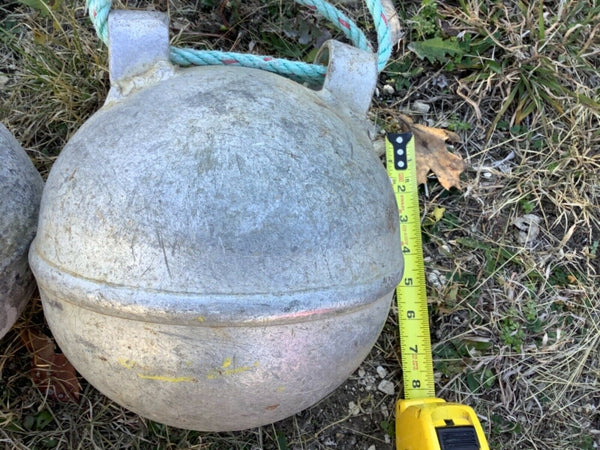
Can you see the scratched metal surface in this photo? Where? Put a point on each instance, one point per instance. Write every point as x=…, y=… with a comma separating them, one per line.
x=20, y=194
x=218, y=247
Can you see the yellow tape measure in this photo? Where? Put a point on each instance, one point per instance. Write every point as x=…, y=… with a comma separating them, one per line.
x=423, y=422
x=411, y=293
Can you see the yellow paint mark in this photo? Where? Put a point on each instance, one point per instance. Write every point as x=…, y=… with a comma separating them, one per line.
x=165, y=378
x=233, y=371
x=226, y=363
x=281, y=389
x=200, y=319
x=127, y=363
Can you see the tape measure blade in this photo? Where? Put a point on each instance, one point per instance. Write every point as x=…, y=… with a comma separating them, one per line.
x=411, y=293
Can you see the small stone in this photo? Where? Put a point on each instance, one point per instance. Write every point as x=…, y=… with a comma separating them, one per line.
x=435, y=278
x=353, y=409
x=388, y=89
x=379, y=147
x=529, y=228
x=368, y=381
x=329, y=442
x=372, y=447
x=384, y=410
x=361, y=373
x=440, y=81
x=420, y=107
x=381, y=372
x=387, y=387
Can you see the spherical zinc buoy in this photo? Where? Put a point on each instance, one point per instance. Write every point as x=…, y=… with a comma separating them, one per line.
x=20, y=193
x=218, y=246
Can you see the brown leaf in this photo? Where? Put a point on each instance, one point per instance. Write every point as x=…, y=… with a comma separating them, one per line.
x=431, y=152
x=51, y=372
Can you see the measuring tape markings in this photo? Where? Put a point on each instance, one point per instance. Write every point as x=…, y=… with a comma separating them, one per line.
x=411, y=293
x=423, y=422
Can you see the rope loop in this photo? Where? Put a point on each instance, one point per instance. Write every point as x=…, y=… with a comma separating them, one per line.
x=312, y=73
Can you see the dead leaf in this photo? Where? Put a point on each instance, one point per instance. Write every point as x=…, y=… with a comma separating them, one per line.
x=393, y=21
x=51, y=372
x=430, y=146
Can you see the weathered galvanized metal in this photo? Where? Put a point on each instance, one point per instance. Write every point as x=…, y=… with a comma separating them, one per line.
x=218, y=246
x=20, y=193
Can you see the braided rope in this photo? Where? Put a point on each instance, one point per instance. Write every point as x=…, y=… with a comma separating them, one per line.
x=99, y=10
x=340, y=21
x=384, y=37
x=301, y=71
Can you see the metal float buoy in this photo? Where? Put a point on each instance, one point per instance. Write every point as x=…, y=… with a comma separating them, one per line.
x=218, y=246
x=20, y=193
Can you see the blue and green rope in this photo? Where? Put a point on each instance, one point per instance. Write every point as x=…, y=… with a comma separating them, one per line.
x=99, y=10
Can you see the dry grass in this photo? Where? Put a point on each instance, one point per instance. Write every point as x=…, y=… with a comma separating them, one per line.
x=515, y=311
